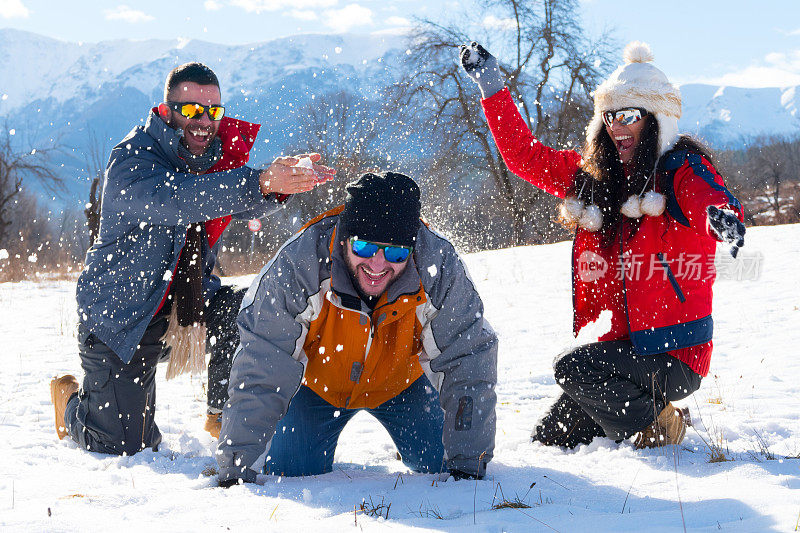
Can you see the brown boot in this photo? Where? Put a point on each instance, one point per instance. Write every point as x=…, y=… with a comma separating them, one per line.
x=668, y=428
x=61, y=390
x=214, y=424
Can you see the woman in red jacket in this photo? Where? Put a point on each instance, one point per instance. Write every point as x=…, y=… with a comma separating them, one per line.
x=648, y=208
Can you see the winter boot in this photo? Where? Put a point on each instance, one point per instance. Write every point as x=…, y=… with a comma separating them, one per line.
x=61, y=390
x=668, y=428
x=214, y=424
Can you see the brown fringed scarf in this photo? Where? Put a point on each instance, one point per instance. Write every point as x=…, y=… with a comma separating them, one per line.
x=186, y=332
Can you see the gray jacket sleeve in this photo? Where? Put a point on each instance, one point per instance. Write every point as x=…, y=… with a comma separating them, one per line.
x=264, y=209
x=139, y=186
x=459, y=356
x=268, y=366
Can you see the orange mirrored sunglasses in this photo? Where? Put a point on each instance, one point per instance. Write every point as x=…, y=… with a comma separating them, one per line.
x=194, y=110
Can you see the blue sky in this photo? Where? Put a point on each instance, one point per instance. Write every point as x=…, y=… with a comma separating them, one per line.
x=735, y=42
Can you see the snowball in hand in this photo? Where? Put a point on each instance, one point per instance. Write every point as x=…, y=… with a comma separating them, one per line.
x=305, y=162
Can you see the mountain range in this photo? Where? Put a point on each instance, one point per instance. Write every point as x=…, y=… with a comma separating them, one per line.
x=89, y=95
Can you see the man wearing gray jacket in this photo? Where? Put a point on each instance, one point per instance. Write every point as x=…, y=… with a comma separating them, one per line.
x=171, y=187
x=364, y=309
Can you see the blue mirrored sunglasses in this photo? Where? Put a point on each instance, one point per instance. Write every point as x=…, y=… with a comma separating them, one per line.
x=367, y=249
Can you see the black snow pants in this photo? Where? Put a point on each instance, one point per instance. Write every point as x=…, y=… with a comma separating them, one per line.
x=611, y=391
x=223, y=338
x=114, y=411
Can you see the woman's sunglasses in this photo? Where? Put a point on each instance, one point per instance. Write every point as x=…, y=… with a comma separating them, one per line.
x=194, y=110
x=367, y=249
x=625, y=116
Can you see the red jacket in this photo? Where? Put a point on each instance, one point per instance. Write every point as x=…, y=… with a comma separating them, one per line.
x=665, y=272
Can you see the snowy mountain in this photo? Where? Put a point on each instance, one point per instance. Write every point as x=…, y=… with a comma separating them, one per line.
x=747, y=408
x=729, y=116
x=85, y=94
x=93, y=93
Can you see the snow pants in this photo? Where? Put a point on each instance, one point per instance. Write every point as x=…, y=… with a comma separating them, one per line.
x=611, y=391
x=114, y=410
x=306, y=437
x=222, y=340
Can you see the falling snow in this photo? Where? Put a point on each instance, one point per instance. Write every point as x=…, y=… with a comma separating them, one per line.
x=749, y=397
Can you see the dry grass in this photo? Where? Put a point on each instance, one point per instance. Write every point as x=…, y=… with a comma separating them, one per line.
x=509, y=503
x=426, y=510
x=763, y=448
x=718, y=451
x=376, y=510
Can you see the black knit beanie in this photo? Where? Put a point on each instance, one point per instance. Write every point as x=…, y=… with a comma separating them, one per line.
x=381, y=208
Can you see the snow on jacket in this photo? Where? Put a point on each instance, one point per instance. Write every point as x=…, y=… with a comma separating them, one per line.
x=302, y=322
x=669, y=262
x=149, y=199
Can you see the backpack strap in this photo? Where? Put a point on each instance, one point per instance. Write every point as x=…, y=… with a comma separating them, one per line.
x=667, y=166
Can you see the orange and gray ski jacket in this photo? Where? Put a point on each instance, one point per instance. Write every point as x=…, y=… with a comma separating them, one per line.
x=302, y=322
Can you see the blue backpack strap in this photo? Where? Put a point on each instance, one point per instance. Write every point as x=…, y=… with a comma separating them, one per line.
x=667, y=165
x=670, y=163
x=696, y=162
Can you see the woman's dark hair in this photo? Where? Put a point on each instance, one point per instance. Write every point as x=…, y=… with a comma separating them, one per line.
x=603, y=170
x=194, y=72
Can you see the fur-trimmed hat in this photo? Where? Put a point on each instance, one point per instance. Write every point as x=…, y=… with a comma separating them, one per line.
x=638, y=83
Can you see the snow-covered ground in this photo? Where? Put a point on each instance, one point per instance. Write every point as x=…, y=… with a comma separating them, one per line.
x=748, y=405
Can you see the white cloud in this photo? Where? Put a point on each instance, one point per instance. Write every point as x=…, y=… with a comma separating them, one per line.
x=494, y=23
x=778, y=69
x=127, y=14
x=257, y=6
x=10, y=9
x=304, y=14
x=347, y=18
x=398, y=21
x=212, y=5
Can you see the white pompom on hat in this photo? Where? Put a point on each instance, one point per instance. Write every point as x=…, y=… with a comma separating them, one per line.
x=638, y=83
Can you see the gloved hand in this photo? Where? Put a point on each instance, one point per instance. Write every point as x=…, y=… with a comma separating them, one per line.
x=459, y=475
x=229, y=477
x=727, y=226
x=483, y=68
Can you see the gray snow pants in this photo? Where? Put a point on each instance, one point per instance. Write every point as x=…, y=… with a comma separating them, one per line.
x=114, y=411
x=611, y=391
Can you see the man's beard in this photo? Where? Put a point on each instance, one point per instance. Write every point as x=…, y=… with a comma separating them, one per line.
x=352, y=271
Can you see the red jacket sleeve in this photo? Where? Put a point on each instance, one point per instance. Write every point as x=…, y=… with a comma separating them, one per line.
x=551, y=170
x=699, y=185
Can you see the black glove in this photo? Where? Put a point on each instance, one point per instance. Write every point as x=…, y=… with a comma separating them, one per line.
x=483, y=68
x=727, y=226
x=459, y=475
x=228, y=483
x=228, y=477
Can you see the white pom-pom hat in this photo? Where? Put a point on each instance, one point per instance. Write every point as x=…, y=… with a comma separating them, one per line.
x=638, y=83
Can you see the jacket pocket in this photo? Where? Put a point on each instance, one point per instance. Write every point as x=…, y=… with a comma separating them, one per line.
x=672, y=279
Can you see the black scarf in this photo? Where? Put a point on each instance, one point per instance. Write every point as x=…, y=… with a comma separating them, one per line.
x=187, y=287
x=186, y=332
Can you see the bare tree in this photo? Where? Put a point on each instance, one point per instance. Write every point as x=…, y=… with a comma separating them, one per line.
x=765, y=177
x=774, y=165
x=95, y=160
x=17, y=166
x=550, y=67
x=345, y=128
